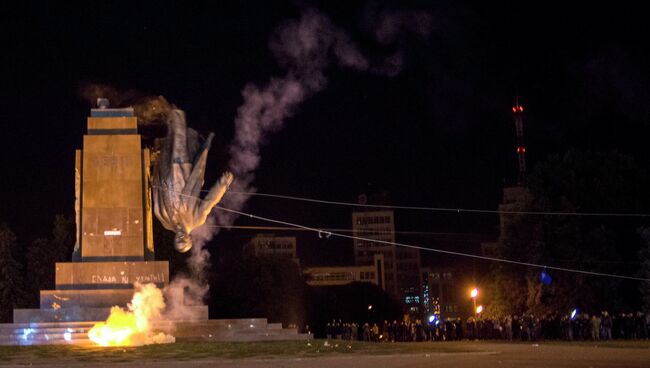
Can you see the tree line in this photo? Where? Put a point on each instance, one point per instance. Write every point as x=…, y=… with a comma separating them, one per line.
x=577, y=182
x=26, y=270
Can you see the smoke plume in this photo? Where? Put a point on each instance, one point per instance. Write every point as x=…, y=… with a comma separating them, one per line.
x=148, y=109
x=389, y=26
x=180, y=293
x=305, y=47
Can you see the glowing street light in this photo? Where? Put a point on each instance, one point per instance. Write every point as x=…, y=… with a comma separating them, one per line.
x=370, y=307
x=474, y=293
x=479, y=309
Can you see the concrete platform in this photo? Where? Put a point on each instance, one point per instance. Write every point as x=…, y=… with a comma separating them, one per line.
x=109, y=275
x=76, y=333
x=83, y=314
x=98, y=298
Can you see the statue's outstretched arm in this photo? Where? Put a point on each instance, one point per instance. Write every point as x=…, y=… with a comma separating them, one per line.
x=214, y=196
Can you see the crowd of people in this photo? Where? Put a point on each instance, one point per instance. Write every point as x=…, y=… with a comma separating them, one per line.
x=554, y=326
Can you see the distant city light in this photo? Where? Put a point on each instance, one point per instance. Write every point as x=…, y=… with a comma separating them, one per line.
x=574, y=313
x=479, y=309
x=432, y=318
x=370, y=307
x=67, y=335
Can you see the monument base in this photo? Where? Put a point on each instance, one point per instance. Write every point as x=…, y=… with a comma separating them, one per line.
x=76, y=333
x=85, y=314
x=56, y=299
x=86, y=291
x=109, y=274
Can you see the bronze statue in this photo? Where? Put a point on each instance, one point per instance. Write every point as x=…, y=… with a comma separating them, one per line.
x=178, y=179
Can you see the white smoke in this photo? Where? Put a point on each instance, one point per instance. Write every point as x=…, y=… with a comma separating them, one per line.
x=199, y=258
x=305, y=47
x=181, y=294
x=389, y=26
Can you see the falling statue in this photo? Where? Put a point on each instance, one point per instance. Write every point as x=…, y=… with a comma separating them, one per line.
x=178, y=179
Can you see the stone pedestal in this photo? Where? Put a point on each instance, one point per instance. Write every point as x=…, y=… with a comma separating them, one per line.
x=114, y=246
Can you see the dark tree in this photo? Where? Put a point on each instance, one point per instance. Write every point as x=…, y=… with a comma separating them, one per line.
x=269, y=287
x=644, y=272
x=63, y=237
x=40, y=268
x=12, y=292
x=42, y=254
x=578, y=182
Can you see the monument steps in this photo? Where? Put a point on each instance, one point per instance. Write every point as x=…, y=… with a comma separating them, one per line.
x=45, y=339
x=76, y=314
x=248, y=329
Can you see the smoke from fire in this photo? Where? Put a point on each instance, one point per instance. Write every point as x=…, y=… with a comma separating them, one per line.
x=148, y=109
x=305, y=47
x=133, y=326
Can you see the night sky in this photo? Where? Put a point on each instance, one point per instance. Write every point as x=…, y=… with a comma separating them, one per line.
x=439, y=133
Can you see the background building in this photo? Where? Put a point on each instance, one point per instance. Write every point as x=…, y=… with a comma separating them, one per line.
x=402, y=264
x=439, y=294
x=331, y=276
x=264, y=245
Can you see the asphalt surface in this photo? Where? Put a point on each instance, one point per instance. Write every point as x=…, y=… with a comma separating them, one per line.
x=485, y=355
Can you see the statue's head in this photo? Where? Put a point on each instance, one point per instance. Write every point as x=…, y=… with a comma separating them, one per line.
x=182, y=241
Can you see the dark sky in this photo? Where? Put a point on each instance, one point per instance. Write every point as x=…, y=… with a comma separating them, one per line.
x=438, y=134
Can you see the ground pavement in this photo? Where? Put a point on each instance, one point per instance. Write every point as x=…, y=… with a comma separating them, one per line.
x=475, y=354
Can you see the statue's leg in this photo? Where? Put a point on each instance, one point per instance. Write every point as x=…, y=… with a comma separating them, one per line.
x=178, y=130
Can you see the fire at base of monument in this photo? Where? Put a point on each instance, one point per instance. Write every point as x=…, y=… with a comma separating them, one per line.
x=133, y=326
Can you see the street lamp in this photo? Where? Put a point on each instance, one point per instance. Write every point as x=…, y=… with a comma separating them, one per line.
x=474, y=293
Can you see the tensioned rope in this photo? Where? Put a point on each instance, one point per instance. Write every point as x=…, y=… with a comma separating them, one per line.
x=374, y=232
x=494, y=259
x=440, y=209
x=327, y=234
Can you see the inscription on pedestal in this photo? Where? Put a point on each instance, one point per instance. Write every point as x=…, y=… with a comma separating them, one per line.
x=112, y=279
x=82, y=275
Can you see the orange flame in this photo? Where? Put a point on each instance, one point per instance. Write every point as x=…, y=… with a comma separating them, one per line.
x=133, y=327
